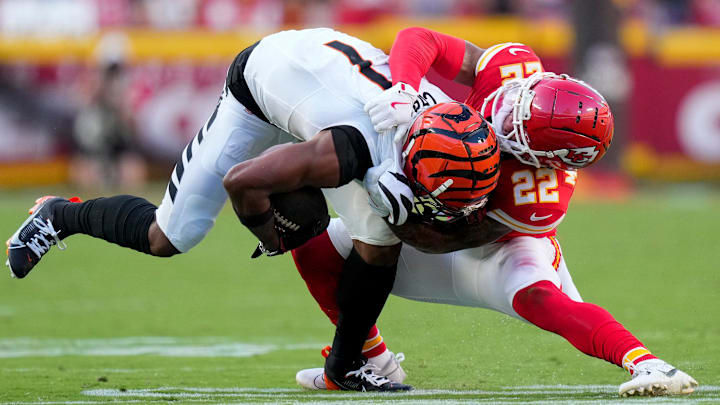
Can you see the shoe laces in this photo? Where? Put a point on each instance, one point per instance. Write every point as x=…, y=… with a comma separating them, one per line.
x=367, y=373
x=39, y=243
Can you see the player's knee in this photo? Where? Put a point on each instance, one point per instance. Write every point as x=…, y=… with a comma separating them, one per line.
x=536, y=298
x=159, y=243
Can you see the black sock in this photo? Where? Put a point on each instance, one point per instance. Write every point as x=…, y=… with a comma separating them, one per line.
x=123, y=220
x=362, y=292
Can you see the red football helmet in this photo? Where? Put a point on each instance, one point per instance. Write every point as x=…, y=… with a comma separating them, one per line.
x=451, y=159
x=558, y=121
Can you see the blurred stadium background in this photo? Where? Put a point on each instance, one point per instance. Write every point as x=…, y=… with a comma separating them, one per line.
x=105, y=93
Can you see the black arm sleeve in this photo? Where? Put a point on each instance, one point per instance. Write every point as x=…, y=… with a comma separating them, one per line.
x=352, y=153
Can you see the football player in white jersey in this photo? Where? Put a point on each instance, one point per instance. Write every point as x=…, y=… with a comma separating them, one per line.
x=301, y=93
x=548, y=125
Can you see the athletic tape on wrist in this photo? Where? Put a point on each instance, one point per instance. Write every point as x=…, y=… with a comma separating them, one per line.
x=254, y=220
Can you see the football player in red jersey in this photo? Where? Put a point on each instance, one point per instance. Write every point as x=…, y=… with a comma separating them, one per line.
x=511, y=261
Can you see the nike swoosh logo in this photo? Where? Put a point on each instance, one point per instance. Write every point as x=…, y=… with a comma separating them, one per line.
x=533, y=217
x=396, y=103
x=514, y=51
x=670, y=373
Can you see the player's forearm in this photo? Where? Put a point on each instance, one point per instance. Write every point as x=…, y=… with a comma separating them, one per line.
x=457, y=236
x=252, y=203
x=417, y=49
x=284, y=168
x=427, y=238
x=482, y=233
x=417, y=236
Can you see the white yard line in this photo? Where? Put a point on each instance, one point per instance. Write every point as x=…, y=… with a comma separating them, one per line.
x=133, y=346
x=505, y=395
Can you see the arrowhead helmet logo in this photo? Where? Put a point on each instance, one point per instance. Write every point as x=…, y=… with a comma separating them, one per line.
x=578, y=156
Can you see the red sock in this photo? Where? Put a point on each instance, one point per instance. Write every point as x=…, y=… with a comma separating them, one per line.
x=320, y=265
x=374, y=345
x=588, y=327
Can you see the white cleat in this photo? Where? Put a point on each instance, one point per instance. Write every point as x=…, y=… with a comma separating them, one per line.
x=388, y=364
x=311, y=378
x=654, y=378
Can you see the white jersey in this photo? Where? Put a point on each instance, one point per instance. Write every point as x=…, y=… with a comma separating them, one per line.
x=306, y=81
x=290, y=84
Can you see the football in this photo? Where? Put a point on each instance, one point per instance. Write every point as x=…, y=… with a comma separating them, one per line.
x=300, y=215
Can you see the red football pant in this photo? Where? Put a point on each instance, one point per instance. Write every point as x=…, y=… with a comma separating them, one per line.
x=320, y=266
x=588, y=327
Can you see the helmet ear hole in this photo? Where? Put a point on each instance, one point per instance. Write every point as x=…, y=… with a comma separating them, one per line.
x=452, y=159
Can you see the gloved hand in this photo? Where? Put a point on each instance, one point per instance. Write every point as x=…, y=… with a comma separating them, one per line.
x=389, y=145
x=389, y=192
x=392, y=107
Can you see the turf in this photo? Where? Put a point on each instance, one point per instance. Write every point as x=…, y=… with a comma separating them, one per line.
x=97, y=323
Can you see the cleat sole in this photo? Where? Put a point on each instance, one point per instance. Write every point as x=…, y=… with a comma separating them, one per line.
x=331, y=386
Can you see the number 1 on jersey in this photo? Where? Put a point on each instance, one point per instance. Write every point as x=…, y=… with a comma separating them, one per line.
x=364, y=65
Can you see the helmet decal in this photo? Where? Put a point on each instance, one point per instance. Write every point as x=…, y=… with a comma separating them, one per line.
x=579, y=157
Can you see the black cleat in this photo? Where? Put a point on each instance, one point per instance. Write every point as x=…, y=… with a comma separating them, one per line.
x=34, y=237
x=361, y=377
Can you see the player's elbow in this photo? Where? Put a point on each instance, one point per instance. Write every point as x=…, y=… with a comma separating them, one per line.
x=412, y=32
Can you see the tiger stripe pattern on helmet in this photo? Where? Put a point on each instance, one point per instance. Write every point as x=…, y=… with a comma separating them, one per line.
x=452, y=158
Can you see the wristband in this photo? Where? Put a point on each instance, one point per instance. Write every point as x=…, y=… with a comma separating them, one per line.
x=254, y=220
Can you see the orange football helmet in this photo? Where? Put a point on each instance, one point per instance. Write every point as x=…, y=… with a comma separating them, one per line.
x=451, y=159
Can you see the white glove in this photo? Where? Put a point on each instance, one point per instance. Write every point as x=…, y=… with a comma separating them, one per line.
x=392, y=107
x=389, y=145
x=389, y=192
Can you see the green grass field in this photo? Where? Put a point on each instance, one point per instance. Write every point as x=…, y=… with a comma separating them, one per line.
x=97, y=323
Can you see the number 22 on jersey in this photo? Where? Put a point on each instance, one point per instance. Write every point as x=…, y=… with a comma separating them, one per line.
x=533, y=186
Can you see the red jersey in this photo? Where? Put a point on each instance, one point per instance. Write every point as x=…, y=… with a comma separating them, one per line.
x=499, y=64
x=530, y=201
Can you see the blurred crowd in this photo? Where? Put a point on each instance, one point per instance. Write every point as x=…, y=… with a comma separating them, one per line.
x=80, y=17
x=119, y=120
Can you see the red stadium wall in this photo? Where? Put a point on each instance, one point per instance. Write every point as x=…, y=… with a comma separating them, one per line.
x=675, y=125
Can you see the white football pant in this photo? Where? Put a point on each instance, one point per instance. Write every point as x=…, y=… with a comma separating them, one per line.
x=484, y=277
